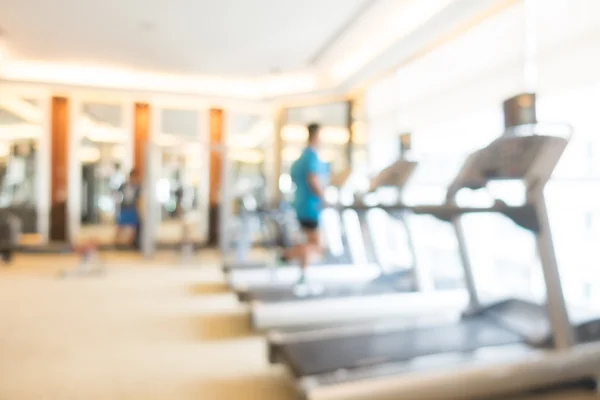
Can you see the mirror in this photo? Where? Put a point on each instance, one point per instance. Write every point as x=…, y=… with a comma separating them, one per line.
x=182, y=177
x=20, y=182
x=105, y=158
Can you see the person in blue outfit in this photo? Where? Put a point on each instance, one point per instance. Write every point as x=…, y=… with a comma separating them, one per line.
x=308, y=174
x=128, y=220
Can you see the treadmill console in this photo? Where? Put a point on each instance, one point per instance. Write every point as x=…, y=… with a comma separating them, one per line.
x=510, y=158
x=396, y=175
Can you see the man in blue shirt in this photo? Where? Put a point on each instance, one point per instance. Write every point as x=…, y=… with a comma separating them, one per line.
x=307, y=173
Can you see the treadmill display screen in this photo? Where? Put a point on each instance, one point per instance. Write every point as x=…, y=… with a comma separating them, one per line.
x=504, y=158
x=405, y=142
x=520, y=110
x=395, y=175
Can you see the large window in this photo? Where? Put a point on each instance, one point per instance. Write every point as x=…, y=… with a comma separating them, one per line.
x=574, y=192
x=450, y=99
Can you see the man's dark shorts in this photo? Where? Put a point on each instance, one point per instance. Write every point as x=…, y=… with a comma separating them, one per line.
x=309, y=225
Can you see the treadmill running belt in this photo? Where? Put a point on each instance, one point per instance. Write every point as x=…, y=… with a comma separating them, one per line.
x=227, y=266
x=329, y=355
x=290, y=293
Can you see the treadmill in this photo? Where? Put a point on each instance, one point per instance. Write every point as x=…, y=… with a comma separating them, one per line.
x=326, y=304
x=242, y=246
x=343, y=260
x=275, y=279
x=496, y=348
x=280, y=220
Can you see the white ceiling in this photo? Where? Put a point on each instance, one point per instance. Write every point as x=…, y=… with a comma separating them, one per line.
x=245, y=49
x=215, y=37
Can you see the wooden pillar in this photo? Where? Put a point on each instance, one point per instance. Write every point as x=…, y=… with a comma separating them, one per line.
x=59, y=150
x=141, y=134
x=216, y=141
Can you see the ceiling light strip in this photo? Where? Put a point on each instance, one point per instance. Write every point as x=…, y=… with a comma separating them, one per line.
x=21, y=109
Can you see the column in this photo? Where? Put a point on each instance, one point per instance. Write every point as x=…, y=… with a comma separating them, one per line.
x=59, y=155
x=216, y=141
x=277, y=156
x=44, y=171
x=350, y=126
x=141, y=134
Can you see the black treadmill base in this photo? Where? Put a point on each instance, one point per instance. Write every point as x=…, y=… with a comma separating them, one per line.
x=243, y=296
x=325, y=292
x=230, y=267
x=584, y=384
x=331, y=354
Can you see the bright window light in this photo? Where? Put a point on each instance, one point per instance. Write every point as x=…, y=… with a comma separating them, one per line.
x=168, y=140
x=118, y=152
x=4, y=149
x=106, y=204
x=294, y=133
x=331, y=194
x=335, y=135
x=329, y=134
x=291, y=154
x=163, y=190
x=285, y=183
x=89, y=154
x=20, y=131
x=249, y=156
x=359, y=132
x=329, y=156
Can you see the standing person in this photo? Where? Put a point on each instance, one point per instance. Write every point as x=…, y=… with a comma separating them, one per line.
x=308, y=174
x=128, y=220
x=178, y=194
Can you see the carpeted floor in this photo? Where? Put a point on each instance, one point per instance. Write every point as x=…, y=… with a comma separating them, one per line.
x=163, y=330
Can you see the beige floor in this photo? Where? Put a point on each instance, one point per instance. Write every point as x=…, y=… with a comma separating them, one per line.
x=163, y=330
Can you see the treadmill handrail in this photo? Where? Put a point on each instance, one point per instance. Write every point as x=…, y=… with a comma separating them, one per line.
x=523, y=215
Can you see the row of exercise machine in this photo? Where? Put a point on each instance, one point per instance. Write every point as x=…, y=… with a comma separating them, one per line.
x=375, y=332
